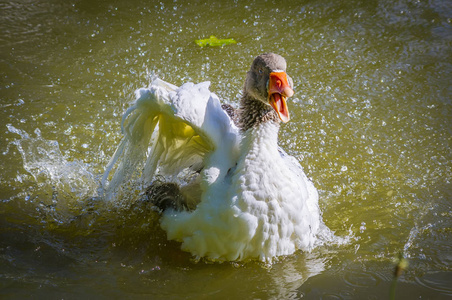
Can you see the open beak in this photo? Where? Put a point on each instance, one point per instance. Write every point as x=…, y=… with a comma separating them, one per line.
x=278, y=91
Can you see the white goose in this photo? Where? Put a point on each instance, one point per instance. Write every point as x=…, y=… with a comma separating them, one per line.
x=246, y=198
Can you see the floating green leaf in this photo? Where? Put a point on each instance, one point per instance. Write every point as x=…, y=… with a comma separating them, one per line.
x=214, y=42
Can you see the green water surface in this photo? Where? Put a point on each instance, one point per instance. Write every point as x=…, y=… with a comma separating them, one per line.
x=371, y=125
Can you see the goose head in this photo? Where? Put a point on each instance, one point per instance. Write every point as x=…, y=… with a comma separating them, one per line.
x=268, y=83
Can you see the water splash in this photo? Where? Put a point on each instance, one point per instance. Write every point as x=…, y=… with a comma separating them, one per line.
x=414, y=233
x=43, y=160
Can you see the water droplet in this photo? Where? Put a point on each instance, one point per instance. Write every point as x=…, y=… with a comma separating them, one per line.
x=37, y=132
x=362, y=227
x=68, y=131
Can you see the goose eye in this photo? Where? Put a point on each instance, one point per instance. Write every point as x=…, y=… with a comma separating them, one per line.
x=260, y=71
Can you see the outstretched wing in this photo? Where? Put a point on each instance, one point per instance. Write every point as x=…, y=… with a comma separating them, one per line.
x=168, y=129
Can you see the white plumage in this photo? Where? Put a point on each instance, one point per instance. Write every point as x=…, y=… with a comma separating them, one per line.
x=254, y=201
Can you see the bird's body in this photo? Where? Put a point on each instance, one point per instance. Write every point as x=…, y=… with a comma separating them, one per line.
x=253, y=201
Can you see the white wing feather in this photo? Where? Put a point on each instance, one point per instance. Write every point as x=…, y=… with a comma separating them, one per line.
x=171, y=129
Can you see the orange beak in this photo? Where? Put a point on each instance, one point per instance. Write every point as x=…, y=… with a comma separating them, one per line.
x=278, y=91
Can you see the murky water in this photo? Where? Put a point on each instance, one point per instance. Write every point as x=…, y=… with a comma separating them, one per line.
x=371, y=125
